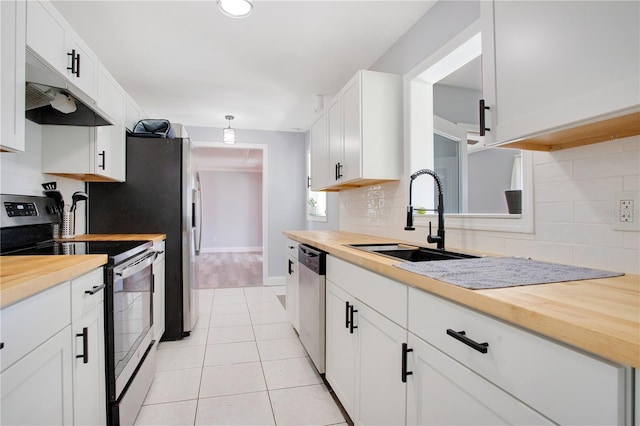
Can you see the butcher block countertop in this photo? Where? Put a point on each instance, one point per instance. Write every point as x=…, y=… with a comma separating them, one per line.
x=155, y=238
x=601, y=316
x=24, y=276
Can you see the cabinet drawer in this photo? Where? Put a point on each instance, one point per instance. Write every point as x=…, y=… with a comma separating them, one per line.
x=292, y=248
x=29, y=323
x=566, y=385
x=85, y=294
x=385, y=295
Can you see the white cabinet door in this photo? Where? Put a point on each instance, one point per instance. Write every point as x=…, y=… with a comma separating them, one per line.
x=84, y=69
x=37, y=390
x=319, y=154
x=442, y=391
x=336, y=139
x=380, y=392
x=352, y=132
x=12, y=75
x=292, y=283
x=46, y=34
x=133, y=114
x=159, y=273
x=552, y=64
x=89, y=391
x=111, y=140
x=340, y=347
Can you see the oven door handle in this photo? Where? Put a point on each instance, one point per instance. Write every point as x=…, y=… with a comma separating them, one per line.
x=137, y=266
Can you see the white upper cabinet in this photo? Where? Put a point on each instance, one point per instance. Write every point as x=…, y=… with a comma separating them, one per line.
x=364, y=131
x=52, y=38
x=552, y=66
x=319, y=154
x=133, y=114
x=12, y=74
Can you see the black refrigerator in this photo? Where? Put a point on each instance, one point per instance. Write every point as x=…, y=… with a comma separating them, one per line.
x=158, y=197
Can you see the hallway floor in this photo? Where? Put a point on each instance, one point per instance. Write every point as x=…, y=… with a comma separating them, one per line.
x=229, y=269
x=242, y=365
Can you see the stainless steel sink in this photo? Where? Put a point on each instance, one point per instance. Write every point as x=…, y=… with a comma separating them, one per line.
x=410, y=253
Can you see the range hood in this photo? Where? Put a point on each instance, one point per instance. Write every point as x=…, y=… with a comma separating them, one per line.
x=51, y=99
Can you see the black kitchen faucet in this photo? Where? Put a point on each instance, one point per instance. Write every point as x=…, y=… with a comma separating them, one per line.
x=439, y=239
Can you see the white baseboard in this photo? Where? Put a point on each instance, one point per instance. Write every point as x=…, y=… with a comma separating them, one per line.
x=276, y=281
x=229, y=249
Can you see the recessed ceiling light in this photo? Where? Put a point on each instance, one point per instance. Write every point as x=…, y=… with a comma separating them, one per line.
x=235, y=8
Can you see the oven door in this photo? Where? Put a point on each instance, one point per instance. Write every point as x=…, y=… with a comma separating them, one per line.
x=132, y=318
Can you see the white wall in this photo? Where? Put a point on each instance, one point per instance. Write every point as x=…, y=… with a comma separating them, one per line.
x=20, y=174
x=286, y=180
x=231, y=211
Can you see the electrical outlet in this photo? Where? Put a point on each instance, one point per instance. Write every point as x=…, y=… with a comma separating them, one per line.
x=625, y=211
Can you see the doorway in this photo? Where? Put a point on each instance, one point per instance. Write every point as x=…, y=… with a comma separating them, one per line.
x=234, y=227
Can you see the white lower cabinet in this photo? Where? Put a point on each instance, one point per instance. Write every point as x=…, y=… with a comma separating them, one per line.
x=462, y=367
x=89, y=387
x=364, y=349
x=53, y=356
x=292, y=282
x=37, y=359
x=159, y=274
x=441, y=391
x=37, y=389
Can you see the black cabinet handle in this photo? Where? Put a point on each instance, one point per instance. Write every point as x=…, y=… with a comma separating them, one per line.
x=460, y=335
x=405, y=373
x=339, y=171
x=346, y=315
x=336, y=172
x=1, y=345
x=290, y=267
x=482, y=109
x=103, y=154
x=351, y=326
x=308, y=181
x=85, y=345
x=75, y=63
x=95, y=289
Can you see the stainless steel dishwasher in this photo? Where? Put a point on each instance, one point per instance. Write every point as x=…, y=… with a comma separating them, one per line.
x=311, y=302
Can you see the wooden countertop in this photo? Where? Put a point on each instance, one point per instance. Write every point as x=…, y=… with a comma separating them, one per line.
x=24, y=276
x=155, y=238
x=601, y=316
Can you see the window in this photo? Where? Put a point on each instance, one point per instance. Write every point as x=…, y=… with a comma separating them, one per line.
x=316, y=201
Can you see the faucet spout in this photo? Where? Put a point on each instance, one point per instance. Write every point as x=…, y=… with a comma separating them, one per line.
x=439, y=237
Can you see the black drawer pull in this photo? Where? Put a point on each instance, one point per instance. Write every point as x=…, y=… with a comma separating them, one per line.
x=460, y=335
x=346, y=315
x=483, y=126
x=351, y=326
x=290, y=267
x=95, y=289
x=405, y=373
x=85, y=345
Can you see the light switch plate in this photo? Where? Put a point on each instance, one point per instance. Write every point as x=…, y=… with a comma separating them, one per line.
x=626, y=211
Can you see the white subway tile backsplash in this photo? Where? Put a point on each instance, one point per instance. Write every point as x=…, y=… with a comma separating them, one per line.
x=621, y=260
x=554, y=212
x=617, y=164
x=572, y=193
x=545, y=251
x=554, y=172
x=594, y=211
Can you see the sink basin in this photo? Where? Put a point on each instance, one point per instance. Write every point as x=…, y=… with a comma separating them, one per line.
x=411, y=253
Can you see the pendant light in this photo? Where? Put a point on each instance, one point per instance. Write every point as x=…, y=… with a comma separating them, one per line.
x=235, y=8
x=229, y=134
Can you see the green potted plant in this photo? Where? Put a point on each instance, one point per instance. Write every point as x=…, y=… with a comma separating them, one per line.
x=314, y=205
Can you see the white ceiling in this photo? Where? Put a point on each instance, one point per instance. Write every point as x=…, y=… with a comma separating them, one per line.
x=228, y=159
x=185, y=61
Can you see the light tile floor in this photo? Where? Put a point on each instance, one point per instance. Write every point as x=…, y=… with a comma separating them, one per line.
x=242, y=365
